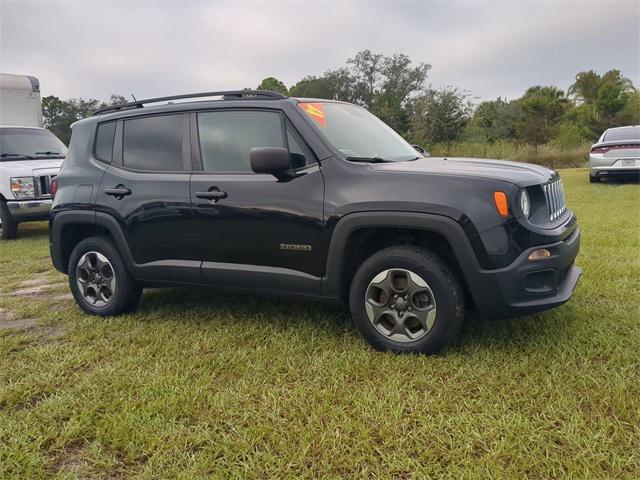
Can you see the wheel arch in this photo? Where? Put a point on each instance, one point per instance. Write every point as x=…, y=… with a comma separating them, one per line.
x=357, y=236
x=69, y=228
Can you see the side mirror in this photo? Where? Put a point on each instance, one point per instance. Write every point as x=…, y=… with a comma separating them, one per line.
x=272, y=160
x=421, y=150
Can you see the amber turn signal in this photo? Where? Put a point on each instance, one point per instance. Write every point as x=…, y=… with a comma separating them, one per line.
x=539, y=254
x=500, y=198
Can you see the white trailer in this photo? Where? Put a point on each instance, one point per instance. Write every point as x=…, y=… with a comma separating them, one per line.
x=20, y=102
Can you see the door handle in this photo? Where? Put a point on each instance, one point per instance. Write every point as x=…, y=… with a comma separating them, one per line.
x=212, y=195
x=119, y=192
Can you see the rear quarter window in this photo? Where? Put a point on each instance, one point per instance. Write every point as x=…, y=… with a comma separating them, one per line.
x=104, y=141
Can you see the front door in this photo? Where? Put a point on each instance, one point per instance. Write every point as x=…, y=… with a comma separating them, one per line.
x=256, y=231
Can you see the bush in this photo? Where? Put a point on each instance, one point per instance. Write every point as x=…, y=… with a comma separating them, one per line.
x=549, y=155
x=569, y=136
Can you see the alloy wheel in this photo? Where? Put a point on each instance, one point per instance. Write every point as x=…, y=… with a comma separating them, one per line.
x=400, y=305
x=96, y=279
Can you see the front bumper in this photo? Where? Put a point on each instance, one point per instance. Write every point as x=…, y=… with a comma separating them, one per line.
x=526, y=286
x=29, y=210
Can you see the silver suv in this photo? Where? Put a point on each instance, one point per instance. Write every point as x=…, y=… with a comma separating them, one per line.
x=616, y=153
x=29, y=158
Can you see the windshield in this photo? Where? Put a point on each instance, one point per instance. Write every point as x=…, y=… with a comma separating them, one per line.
x=29, y=143
x=622, y=134
x=357, y=133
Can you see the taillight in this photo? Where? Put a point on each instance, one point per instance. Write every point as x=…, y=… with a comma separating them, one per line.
x=54, y=187
x=624, y=146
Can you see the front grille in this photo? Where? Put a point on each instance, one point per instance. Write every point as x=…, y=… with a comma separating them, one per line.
x=554, y=195
x=43, y=185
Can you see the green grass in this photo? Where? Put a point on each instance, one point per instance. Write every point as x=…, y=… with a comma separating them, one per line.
x=202, y=384
x=549, y=155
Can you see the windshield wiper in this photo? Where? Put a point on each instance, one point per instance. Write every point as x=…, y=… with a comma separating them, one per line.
x=47, y=153
x=367, y=159
x=7, y=155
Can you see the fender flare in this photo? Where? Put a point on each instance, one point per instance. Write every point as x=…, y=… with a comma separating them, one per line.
x=61, y=220
x=444, y=226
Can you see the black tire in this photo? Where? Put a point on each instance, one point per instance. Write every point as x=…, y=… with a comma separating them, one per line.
x=445, y=287
x=8, y=226
x=594, y=179
x=126, y=294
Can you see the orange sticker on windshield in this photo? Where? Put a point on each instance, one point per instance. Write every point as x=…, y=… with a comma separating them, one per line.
x=316, y=112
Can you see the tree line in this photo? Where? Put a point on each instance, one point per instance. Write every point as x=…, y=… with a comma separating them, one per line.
x=395, y=89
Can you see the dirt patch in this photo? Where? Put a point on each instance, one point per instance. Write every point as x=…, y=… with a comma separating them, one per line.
x=20, y=324
x=62, y=297
x=6, y=315
x=43, y=333
x=36, y=282
x=69, y=461
x=37, y=286
x=23, y=292
x=49, y=333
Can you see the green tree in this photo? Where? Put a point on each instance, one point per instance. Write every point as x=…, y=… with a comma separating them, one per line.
x=602, y=101
x=274, y=85
x=567, y=136
x=541, y=108
x=614, y=94
x=400, y=78
x=385, y=85
x=630, y=113
x=58, y=115
x=333, y=85
x=365, y=69
x=400, y=82
x=493, y=120
x=440, y=116
x=585, y=88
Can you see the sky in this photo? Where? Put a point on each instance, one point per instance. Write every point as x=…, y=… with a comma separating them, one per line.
x=91, y=49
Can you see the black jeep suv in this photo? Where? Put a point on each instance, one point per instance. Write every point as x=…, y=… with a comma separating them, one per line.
x=318, y=198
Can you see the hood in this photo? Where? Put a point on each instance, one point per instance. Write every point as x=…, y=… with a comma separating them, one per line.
x=28, y=168
x=521, y=174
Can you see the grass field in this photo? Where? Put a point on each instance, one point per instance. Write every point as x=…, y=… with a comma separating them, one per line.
x=201, y=384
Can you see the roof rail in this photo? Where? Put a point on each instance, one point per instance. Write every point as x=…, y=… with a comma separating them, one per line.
x=227, y=95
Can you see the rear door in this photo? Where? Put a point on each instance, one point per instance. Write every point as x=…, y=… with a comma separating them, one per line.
x=261, y=232
x=146, y=189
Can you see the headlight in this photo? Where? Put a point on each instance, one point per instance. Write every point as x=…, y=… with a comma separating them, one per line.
x=525, y=205
x=22, y=187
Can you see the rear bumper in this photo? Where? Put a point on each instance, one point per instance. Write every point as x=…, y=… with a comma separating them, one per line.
x=614, y=170
x=526, y=286
x=603, y=166
x=30, y=210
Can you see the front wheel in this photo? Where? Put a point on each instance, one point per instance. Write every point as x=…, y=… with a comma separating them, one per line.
x=594, y=179
x=8, y=226
x=406, y=300
x=99, y=280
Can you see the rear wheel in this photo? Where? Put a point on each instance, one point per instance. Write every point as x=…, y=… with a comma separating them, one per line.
x=8, y=226
x=99, y=280
x=406, y=299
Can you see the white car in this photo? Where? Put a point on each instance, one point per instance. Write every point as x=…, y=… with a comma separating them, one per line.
x=616, y=153
x=30, y=158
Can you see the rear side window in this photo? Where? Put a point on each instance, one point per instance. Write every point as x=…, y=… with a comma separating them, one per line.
x=153, y=143
x=227, y=137
x=104, y=141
